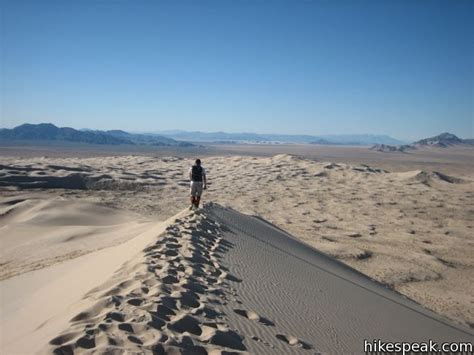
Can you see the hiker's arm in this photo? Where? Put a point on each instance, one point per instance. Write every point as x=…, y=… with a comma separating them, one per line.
x=204, y=180
x=190, y=175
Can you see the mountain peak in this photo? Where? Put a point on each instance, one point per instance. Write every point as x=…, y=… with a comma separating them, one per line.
x=442, y=140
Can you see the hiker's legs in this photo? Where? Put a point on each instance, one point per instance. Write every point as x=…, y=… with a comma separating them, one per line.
x=192, y=191
x=196, y=191
x=198, y=194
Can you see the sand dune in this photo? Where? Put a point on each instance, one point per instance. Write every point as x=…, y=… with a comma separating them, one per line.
x=36, y=232
x=410, y=230
x=37, y=305
x=218, y=282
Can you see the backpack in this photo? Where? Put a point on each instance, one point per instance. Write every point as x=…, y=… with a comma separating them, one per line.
x=196, y=173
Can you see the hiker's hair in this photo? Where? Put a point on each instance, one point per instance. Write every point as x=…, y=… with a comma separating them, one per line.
x=198, y=162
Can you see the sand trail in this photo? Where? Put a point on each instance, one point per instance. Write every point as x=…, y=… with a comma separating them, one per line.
x=165, y=300
x=218, y=281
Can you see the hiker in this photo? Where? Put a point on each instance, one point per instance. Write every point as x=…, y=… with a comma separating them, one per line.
x=197, y=175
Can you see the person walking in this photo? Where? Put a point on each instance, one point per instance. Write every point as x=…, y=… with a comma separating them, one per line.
x=197, y=176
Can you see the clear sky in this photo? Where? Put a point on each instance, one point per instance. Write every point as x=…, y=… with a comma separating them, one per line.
x=403, y=68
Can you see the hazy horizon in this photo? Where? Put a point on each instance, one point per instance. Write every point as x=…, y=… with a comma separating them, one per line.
x=171, y=131
x=397, y=68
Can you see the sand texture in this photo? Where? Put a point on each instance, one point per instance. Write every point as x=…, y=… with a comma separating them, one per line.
x=218, y=282
x=410, y=230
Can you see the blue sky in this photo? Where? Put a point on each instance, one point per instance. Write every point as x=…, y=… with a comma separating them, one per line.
x=403, y=68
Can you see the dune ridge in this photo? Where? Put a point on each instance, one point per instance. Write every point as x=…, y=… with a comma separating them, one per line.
x=219, y=282
x=164, y=301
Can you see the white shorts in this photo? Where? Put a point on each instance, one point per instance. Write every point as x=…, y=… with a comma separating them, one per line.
x=196, y=188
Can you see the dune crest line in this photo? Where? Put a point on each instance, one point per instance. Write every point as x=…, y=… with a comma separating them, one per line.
x=218, y=281
x=168, y=300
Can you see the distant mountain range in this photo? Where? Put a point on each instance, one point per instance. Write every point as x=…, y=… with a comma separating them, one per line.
x=357, y=139
x=443, y=140
x=49, y=132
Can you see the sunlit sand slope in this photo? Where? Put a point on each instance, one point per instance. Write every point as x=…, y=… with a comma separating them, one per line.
x=220, y=281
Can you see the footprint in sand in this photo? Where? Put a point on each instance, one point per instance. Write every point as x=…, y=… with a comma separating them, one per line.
x=254, y=316
x=64, y=338
x=294, y=341
x=233, y=278
x=184, y=324
x=260, y=340
x=169, y=280
x=225, y=338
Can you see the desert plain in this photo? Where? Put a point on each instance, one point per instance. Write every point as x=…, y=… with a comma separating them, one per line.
x=405, y=220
